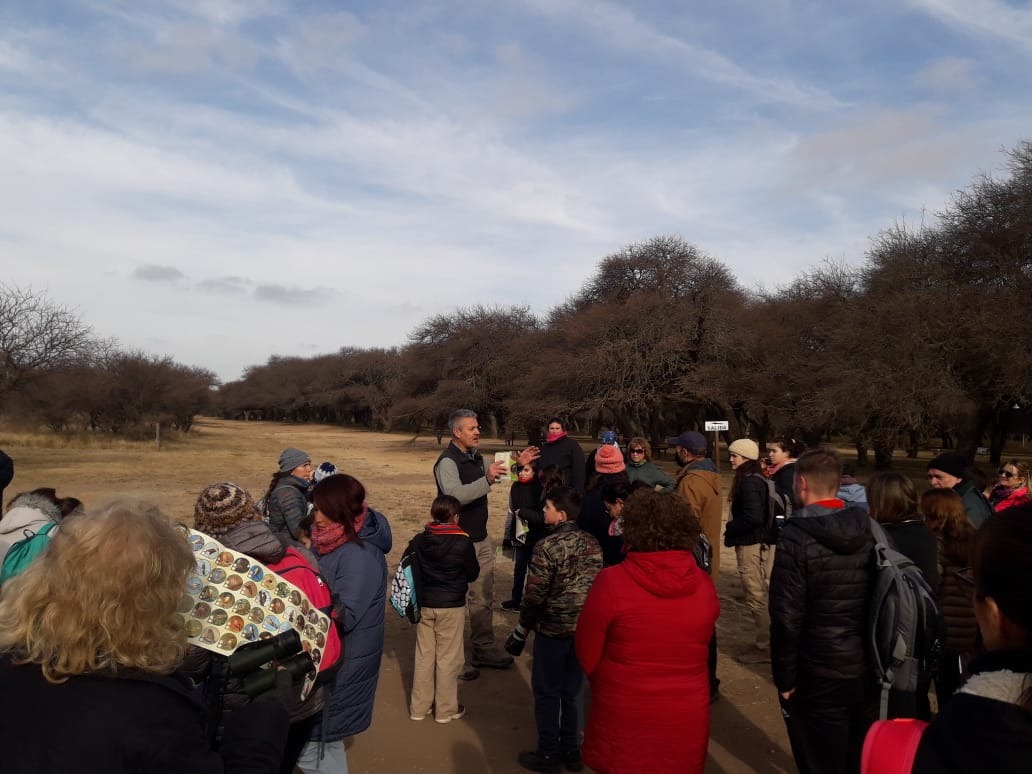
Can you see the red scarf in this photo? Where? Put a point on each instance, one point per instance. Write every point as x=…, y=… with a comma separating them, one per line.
x=326, y=539
x=553, y=437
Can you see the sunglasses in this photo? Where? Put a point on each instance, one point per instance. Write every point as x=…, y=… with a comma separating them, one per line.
x=1008, y=474
x=637, y=451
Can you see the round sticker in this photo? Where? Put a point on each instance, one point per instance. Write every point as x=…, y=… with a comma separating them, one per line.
x=249, y=590
x=271, y=623
x=208, y=594
x=217, y=575
x=255, y=573
x=257, y=614
x=225, y=599
x=201, y=610
x=235, y=624
x=241, y=606
x=219, y=618
x=203, y=567
x=234, y=582
x=228, y=642
x=250, y=633
x=241, y=565
x=209, y=636
x=193, y=627
x=225, y=559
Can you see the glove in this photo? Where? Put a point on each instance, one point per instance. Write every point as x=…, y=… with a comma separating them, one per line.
x=516, y=641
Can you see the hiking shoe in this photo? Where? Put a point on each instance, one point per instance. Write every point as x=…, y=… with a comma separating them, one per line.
x=535, y=761
x=510, y=606
x=423, y=716
x=754, y=654
x=496, y=660
x=454, y=716
x=572, y=761
x=469, y=673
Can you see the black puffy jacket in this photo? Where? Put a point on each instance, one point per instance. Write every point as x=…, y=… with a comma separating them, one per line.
x=748, y=518
x=818, y=595
x=447, y=565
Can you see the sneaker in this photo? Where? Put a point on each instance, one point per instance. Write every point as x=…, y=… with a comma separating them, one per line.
x=572, y=761
x=754, y=654
x=423, y=716
x=496, y=660
x=469, y=673
x=454, y=716
x=510, y=606
x=535, y=761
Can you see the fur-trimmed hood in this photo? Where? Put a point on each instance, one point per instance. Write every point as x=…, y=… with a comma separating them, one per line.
x=26, y=515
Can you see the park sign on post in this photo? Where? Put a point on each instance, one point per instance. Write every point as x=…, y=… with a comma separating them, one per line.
x=716, y=426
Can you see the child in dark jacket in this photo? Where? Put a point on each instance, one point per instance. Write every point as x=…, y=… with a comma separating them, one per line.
x=562, y=568
x=447, y=565
x=524, y=508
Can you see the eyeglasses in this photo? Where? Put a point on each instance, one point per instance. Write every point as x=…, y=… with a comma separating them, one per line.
x=637, y=451
x=1008, y=474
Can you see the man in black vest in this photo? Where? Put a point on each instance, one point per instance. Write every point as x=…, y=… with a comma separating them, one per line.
x=462, y=472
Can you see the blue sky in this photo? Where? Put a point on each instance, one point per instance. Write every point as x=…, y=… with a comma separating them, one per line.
x=225, y=180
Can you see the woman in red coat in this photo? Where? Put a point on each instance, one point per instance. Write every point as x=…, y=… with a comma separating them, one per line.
x=643, y=640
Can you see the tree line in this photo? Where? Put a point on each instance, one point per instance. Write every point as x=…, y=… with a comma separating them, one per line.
x=55, y=372
x=921, y=345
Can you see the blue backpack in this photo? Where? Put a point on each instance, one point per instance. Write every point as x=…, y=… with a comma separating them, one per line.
x=22, y=553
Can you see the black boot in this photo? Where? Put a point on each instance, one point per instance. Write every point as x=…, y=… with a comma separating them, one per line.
x=536, y=761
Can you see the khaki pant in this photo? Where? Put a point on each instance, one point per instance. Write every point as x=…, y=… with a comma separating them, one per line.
x=480, y=601
x=438, y=661
x=754, y=566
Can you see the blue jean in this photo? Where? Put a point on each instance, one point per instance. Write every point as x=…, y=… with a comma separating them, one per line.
x=556, y=679
x=335, y=758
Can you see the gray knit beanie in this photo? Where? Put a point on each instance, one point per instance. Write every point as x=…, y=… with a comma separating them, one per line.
x=291, y=458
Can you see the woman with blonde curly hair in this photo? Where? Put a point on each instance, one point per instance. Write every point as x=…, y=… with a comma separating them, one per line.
x=92, y=623
x=643, y=641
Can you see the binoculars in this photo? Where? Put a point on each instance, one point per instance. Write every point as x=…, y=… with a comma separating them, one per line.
x=246, y=662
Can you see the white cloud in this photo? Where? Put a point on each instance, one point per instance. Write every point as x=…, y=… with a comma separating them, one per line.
x=948, y=75
x=988, y=18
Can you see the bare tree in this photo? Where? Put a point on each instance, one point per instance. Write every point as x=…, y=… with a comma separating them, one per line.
x=37, y=336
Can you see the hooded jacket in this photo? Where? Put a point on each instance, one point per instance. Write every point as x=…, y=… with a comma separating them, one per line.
x=357, y=574
x=977, y=507
x=27, y=513
x=818, y=595
x=643, y=640
x=699, y=484
x=447, y=565
x=983, y=728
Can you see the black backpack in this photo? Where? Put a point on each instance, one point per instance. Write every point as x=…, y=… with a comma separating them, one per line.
x=779, y=510
x=904, y=633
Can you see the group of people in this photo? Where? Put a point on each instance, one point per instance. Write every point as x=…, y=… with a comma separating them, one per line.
x=93, y=621
x=614, y=574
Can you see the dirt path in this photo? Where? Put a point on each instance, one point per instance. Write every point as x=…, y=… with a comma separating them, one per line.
x=747, y=732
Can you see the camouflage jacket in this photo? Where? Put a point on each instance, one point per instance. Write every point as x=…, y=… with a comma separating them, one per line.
x=562, y=568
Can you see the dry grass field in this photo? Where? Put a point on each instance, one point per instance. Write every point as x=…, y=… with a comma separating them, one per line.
x=747, y=731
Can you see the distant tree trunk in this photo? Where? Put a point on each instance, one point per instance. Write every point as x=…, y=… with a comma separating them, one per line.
x=913, y=442
x=883, y=454
x=861, y=453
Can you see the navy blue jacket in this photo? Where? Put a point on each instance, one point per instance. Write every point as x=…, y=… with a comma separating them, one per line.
x=357, y=574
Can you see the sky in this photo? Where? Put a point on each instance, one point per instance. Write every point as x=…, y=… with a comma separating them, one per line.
x=227, y=180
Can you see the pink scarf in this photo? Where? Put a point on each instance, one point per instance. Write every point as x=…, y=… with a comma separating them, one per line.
x=553, y=437
x=332, y=536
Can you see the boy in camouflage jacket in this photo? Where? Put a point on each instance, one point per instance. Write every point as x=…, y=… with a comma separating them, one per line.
x=562, y=568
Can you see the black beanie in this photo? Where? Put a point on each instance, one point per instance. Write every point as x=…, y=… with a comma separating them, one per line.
x=951, y=462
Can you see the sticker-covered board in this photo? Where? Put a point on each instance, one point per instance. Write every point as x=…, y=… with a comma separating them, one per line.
x=232, y=599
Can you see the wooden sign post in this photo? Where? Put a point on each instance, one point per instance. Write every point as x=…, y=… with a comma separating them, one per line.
x=715, y=427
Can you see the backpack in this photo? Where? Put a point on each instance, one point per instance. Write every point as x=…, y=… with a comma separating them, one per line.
x=22, y=553
x=406, y=582
x=779, y=510
x=703, y=553
x=296, y=569
x=903, y=625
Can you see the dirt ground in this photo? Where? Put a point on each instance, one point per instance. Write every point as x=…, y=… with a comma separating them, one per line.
x=747, y=733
